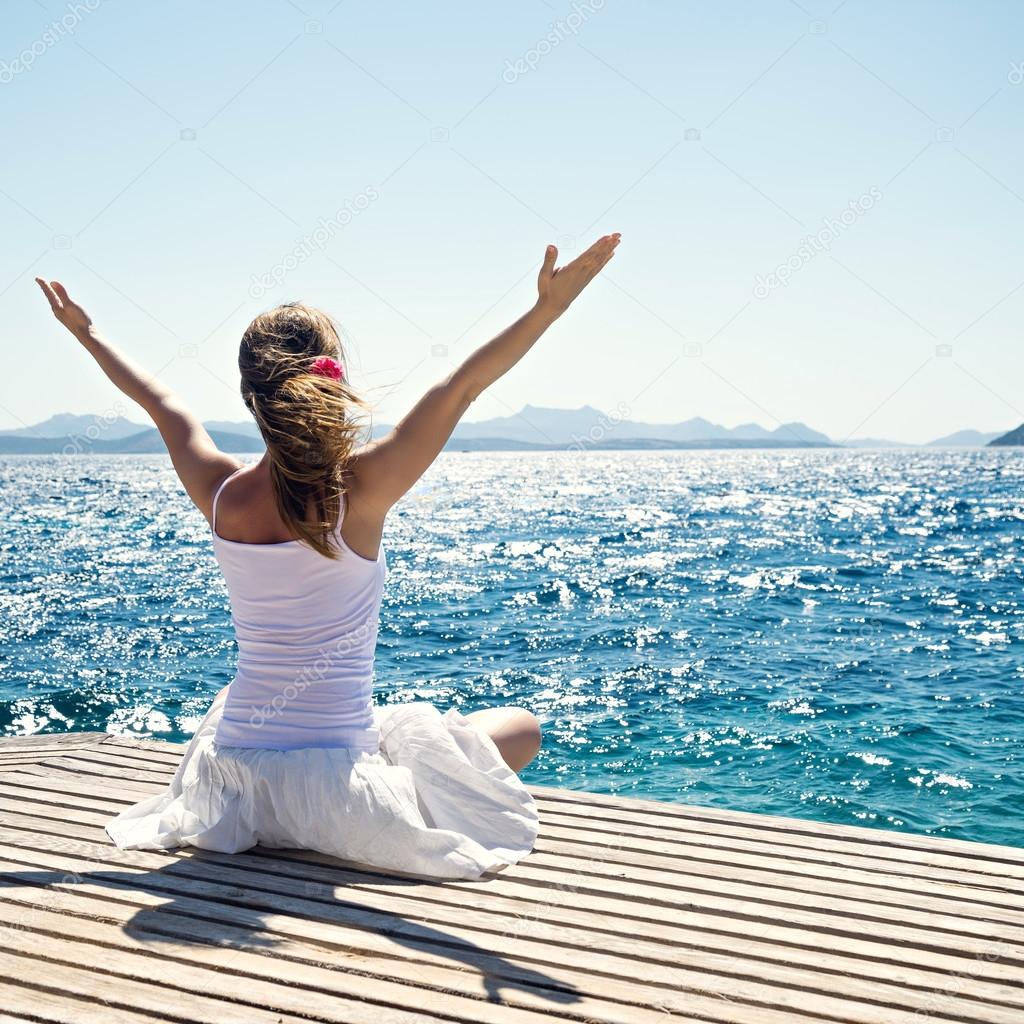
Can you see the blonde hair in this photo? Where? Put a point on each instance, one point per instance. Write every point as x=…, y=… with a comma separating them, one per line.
x=308, y=421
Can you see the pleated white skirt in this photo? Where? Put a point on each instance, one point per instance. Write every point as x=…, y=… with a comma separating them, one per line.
x=437, y=800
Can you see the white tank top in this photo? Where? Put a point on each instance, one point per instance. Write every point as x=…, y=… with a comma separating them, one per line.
x=306, y=627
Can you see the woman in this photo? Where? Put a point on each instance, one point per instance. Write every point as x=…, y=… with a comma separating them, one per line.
x=293, y=753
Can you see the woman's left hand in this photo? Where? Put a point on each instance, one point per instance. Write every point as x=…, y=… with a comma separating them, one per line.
x=69, y=313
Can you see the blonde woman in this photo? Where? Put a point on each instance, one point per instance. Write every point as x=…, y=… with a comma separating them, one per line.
x=293, y=753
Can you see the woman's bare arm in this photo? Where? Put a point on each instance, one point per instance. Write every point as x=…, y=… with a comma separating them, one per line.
x=199, y=463
x=385, y=469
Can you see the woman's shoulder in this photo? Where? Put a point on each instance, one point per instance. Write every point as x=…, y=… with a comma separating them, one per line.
x=361, y=523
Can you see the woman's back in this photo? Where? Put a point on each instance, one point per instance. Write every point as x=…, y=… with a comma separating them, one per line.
x=293, y=753
x=306, y=627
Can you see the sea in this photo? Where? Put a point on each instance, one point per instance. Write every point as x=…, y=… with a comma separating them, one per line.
x=828, y=634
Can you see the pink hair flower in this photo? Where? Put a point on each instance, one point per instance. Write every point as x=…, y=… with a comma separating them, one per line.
x=325, y=366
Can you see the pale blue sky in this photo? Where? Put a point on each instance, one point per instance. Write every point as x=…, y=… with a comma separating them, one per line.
x=713, y=135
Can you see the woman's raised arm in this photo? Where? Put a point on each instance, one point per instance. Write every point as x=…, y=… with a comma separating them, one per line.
x=385, y=469
x=198, y=462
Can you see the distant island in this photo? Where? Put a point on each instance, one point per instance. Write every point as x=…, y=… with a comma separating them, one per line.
x=1009, y=439
x=533, y=428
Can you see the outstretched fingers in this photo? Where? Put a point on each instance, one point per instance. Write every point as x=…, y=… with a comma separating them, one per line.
x=594, y=258
x=51, y=296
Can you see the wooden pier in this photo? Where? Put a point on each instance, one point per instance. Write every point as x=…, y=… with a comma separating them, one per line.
x=629, y=911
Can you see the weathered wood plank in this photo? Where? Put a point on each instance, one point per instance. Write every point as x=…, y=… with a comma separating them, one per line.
x=697, y=999
x=750, y=856
x=13, y=760
x=720, y=836
x=576, y=948
x=629, y=910
x=159, y=746
x=128, y=791
x=817, y=963
x=765, y=905
x=617, y=809
x=63, y=1008
x=52, y=739
x=780, y=825
x=86, y=762
x=861, y=843
x=366, y=951
x=670, y=887
x=419, y=988
x=949, y=900
x=138, y=994
x=259, y=980
x=526, y=904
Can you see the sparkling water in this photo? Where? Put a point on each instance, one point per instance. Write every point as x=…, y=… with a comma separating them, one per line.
x=828, y=634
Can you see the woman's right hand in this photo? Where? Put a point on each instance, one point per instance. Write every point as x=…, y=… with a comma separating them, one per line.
x=557, y=288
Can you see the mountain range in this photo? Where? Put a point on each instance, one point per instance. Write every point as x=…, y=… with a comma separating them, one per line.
x=534, y=427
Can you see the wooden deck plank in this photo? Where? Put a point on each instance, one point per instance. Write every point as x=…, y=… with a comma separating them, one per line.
x=950, y=898
x=226, y=885
x=874, y=887
x=137, y=994
x=948, y=902
x=851, y=957
x=63, y=740
x=685, y=887
x=255, y=979
x=781, y=972
x=581, y=883
x=746, y=857
x=686, y=989
x=799, y=915
x=365, y=951
x=640, y=988
x=635, y=808
x=715, y=830
x=84, y=763
x=846, y=847
x=461, y=995
x=690, y=890
x=63, y=1008
x=638, y=910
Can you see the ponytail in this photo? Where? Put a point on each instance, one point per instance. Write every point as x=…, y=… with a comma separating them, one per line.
x=308, y=420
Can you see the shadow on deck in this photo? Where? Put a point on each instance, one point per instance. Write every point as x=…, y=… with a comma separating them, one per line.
x=626, y=911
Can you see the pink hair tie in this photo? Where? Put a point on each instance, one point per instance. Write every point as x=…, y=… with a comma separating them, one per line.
x=325, y=366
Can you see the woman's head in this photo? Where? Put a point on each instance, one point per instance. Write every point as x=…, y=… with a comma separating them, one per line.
x=308, y=419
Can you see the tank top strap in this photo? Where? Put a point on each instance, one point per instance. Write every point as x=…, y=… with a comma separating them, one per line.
x=216, y=496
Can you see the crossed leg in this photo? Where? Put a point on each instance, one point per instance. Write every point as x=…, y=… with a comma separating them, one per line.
x=515, y=731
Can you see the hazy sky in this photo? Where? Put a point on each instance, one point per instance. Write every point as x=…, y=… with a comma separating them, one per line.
x=404, y=164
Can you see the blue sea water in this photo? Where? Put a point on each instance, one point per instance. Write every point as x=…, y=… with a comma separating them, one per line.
x=828, y=634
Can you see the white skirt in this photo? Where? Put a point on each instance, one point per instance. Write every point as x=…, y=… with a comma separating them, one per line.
x=437, y=800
